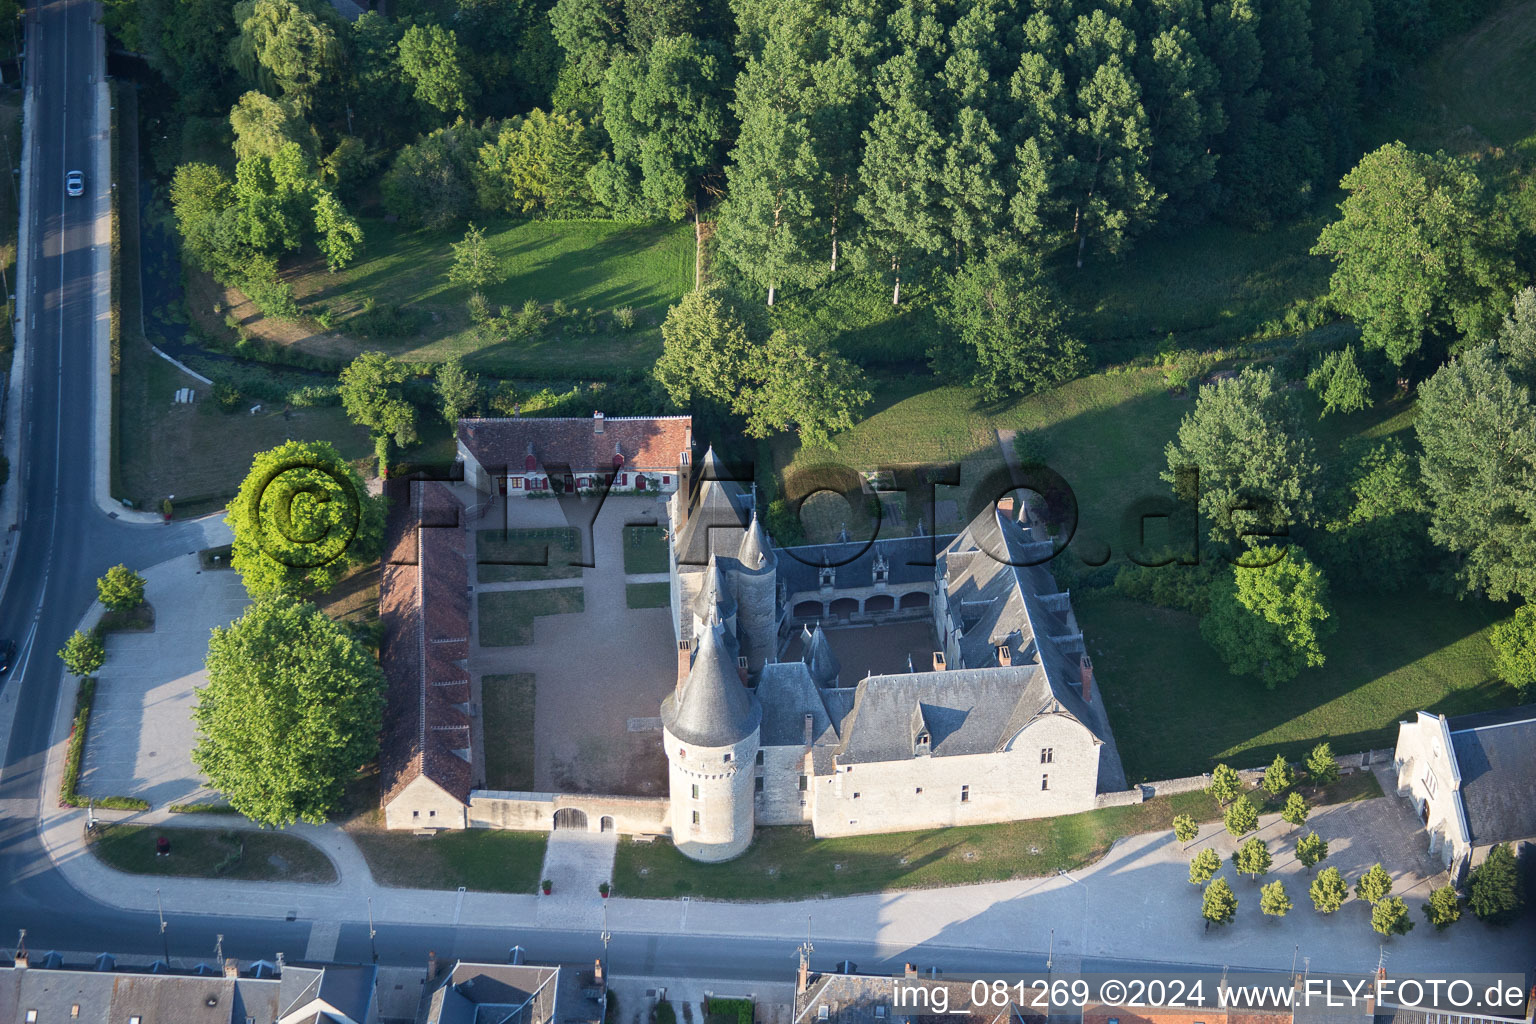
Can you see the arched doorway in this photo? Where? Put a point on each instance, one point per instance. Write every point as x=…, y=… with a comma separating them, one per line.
x=809, y=610
x=915, y=599
x=571, y=817
x=605, y=823
x=880, y=603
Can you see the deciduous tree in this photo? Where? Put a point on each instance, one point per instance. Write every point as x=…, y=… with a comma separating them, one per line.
x=1241, y=817
x=120, y=589
x=1274, y=900
x=1184, y=828
x=1253, y=858
x=1443, y=908
x=292, y=710
x=1328, y=891
x=1279, y=776
x=1203, y=866
x=1295, y=811
x=1270, y=620
x=1390, y=917
x=1339, y=384
x=83, y=653
x=1225, y=783
x=1322, y=766
x=1311, y=849
x=458, y=391
x=1514, y=649
x=474, y=264
x=373, y=394
x=1220, y=903
x=1375, y=885
x=430, y=57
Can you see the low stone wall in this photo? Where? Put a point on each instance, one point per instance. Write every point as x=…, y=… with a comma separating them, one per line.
x=1125, y=797
x=535, y=812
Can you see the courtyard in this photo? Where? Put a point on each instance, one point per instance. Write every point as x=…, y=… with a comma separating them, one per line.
x=599, y=665
x=880, y=649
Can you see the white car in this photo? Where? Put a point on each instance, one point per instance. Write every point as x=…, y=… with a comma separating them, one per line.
x=74, y=183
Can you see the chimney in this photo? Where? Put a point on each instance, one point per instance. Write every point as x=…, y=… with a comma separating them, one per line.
x=22, y=962
x=597, y=965
x=810, y=725
x=683, y=662
x=1004, y=655
x=938, y=661
x=1085, y=667
x=231, y=968
x=431, y=966
x=803, y=978
x=909, y=971
x=1005, y=504
x=597, y=422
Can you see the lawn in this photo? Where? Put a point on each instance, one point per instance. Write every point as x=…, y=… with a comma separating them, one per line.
x=645, y=550
x=507, y=702
x=597, y=265
x=485, y=860
x=246, y=854
x=504, y=556
x=506, y=616
x=789, y=863
x=1176, y=710
x=647, y=595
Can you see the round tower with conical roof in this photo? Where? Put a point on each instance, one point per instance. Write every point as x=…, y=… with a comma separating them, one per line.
x=756, y=598
x=710, y=730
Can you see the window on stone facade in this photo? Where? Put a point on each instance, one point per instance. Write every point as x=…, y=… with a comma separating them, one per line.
x=431, y=814
x=1429, y=783
x=1045, y=782
x=759, y=757
x=1047, y=755
x=759, y=784
x=919, y=790
x=695, y=817
x=415, y=814
x=728, y=758
x=965, y=794
x=804, y=784
x=855, y=796
x=695, y=790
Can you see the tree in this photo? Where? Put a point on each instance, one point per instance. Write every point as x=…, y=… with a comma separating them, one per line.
x=1252, y=858
x=430, y=57
x=84, y=653
x=1295, y=811
x=1255, y=463
x=1203, y=866
x=1514, y=649
x=1269, y=620
x=665, y=116
x=373, y=394
x=1375, y=885
x=1184, y=828
x=1378, y=536
x=458, y=390
x=1337, y=380
x=1495, y=890
x=474, y=264
x=1225, y=783
x=1477, y=427
x=292, y=710
x=263, y=125
x=301, y=519
x=339, y=235
x=538, y=163
x=287, y=45
x=120, y=589
x=1273, y=899
x=1279, y=776
x=1517, y=338
x=1328, y=891
x=1322, y=766
x=1241, y=817
x=1443, y=908
x=1419, y=251
x=1220, y=903
x=1311, y=849
x=1008, y=335
x=431, y=181
x=1390, y=917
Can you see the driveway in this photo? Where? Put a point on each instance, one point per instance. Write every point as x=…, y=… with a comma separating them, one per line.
x=141, y=735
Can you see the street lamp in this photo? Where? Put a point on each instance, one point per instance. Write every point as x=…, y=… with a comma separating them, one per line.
x=164, y=941
x=372, y=932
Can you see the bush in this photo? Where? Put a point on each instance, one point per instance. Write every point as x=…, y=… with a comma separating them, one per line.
x=624, y=316
x=1186, y=588
x=530, y=319
x=558, y=309
x=729, y=1011
x=665, y=1014
x=121, y=589
x=1495, y=890
x=226, y=396
x=388, y=321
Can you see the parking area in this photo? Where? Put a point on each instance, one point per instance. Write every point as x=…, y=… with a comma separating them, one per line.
x=599, y=673
x=141, y=732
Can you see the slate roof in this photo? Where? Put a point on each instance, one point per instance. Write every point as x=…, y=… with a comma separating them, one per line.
x=713, y=708
x=645, y=442
x=867, y=999
x=787, y=694
x=112, y=996
x=820, y=658
x=510, y=993
x=1497, y=762
x=719, y=513
x=911, y=560
x=424, y=609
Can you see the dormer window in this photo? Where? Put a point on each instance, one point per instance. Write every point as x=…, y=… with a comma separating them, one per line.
x=882, y=569
x=922, y=744
x=828, y=576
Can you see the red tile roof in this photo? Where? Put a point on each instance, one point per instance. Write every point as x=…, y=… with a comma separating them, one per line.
x=646, y=442
x=424, y=608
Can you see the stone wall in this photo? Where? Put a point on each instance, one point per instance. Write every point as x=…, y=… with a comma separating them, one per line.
x=535, y=812
x=424, y=804
x=781, y=801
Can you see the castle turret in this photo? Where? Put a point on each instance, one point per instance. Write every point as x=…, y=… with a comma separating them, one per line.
x=819, y=659
x=715, y=601
x=756, y=598
x=710, y=730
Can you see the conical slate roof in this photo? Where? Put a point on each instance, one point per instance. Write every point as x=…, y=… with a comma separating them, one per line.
x=820, y=660
x=715, y=594
x=755, y=552
x=713, y=708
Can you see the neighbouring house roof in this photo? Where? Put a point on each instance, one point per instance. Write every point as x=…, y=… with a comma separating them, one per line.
x=867, y=999
x=713, y=707
x=1496, y=759
x=424, y=609
x=476, y=993
x=107, y=995
x=642, y=442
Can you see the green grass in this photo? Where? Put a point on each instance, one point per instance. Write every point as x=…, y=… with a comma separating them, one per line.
x=506, y=616
x=139, y=619
x=246, y=854
x=645, y=550
x=508, y=555
x=485, y=860
x=789, y=863
x=1176, y=710
x=507, y=702
x=599, y=265
x=647, y=595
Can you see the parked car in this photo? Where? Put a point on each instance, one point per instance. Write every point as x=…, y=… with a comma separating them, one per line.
x=7, y=652
x=74, y=183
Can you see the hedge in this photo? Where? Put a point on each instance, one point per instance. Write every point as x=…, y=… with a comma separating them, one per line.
x=729, y=1011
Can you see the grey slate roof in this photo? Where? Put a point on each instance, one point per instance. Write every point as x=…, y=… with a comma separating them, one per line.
x=715, y=596
x=756, y=551
x=516, y=994
x=718, y=516
x=713, y=708
x=1498, y=777
x=911, y=560
x=819, y=657
x=787, y=694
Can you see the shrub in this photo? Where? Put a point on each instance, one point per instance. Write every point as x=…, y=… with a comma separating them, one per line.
x=226, y=396
x=120, y=589
x=558, y=309
x=84, y=653
x=624, y=316
x=530, y=319
x=729, y=1011
x=665, y=1014
x=1443, y=908
x=1514, y=650
x=479, y=308
x=1495, y=891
